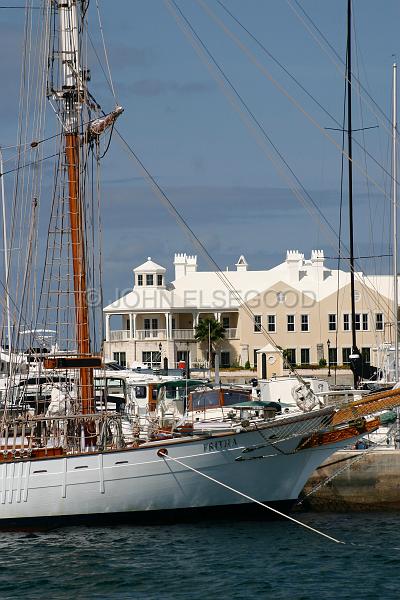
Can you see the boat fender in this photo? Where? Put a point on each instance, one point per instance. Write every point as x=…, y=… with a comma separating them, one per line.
x=304, y=397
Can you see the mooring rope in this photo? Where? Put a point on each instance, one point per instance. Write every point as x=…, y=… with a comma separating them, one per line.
x=164, y=454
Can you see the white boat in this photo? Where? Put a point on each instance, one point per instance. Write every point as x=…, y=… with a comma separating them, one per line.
x=74, y=461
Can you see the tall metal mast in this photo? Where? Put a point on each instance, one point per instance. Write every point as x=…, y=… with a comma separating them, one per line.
x=72, y=97
x=394, y=179
x=354, y=352
x=6, y=260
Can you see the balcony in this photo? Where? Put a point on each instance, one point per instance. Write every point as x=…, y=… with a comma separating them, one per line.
x=183, y=334
x=119, y=335
x=231, y=333
x=151, y=334
x=122, y=335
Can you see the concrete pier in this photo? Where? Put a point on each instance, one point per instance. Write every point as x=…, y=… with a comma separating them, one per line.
x=370, y=483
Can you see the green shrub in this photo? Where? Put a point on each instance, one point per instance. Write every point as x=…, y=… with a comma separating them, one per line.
x=322, y=362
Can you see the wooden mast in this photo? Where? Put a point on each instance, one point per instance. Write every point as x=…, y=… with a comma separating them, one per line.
x=79, y=270
x=72, y=95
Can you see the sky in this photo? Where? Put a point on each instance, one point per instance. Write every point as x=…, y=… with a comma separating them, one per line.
x=210, y=159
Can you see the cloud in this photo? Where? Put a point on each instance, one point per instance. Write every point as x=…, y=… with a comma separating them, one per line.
x=157, y=87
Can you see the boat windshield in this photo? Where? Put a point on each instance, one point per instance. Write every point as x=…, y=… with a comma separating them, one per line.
x=216, y=398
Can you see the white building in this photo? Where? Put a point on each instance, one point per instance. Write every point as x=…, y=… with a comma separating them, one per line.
x=298, y=305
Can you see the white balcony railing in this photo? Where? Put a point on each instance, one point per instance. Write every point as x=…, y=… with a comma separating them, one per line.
x=183, y=334
x=230, y=333
x=161, y=334
x=151, y=334
x=120, y=335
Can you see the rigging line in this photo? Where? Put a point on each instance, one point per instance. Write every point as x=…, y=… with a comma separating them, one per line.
x=105, y=50
x=370, y=98
x=276, y=61
x=100, y=63
x=293, y=101
x=259, y=126
x=35, y=162
x=361, y=108
x=189, y=231
x=163, y=454
x=220, y=74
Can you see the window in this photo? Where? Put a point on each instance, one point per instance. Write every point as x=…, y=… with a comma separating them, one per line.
x=346, y=322
x=379, y=321
x=332, y=322
x=332, y=356
x=271, y=323
x=290, y=322
x=140, y=392
x=365, y=321
x=152, y=359
x=120, y=358
x=290, y=354
x=345, y=356
x=305, y=356
x=159, y=280
x=140, y=279
x=151, y=327
x=366, y=355
x=358, y=321
x=257, y=323
x=225, y=359
x=149, y=279
x=225, y=322
x=304, y=323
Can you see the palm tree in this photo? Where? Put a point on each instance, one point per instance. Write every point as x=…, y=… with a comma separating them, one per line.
x=211, y=331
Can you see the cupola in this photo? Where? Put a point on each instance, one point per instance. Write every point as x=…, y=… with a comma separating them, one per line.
x=149, y=274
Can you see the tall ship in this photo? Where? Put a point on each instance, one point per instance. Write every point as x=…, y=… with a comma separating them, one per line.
x=75, y=442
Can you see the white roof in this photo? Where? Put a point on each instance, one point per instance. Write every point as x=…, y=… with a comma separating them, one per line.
x=149, y=267
x=268, y=348
x=215, y=292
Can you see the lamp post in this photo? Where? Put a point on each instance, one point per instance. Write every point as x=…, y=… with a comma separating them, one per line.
x=328, y=343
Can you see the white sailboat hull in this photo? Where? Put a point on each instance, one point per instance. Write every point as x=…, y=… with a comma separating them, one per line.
x=139, y=480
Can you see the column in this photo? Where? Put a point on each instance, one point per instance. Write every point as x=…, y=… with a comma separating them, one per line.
x=108, y=336
x=133, y=324
x=131, y=328
x=167, y=325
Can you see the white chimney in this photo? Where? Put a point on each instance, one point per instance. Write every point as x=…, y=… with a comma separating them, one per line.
x=180, y=265
x=294, y=262
x=191, y=264
x=317, y=265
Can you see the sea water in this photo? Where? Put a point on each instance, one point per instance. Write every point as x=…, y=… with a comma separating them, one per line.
x=208, y=560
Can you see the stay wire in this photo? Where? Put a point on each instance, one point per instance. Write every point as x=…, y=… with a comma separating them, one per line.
x=194, y=38
x=163, y=454
x=385, y=119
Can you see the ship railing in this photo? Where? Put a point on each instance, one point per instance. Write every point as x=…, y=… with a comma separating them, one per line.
x=52, y=435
